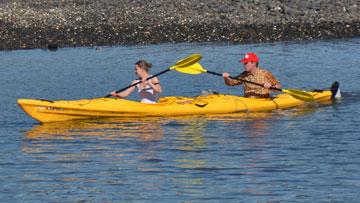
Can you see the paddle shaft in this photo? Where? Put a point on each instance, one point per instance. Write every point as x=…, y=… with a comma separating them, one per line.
x=125, y=88
x=254, y=83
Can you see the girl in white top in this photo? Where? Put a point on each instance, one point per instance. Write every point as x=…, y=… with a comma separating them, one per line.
x=149, y=90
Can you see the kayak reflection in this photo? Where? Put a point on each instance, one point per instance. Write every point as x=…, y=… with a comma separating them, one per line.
x=145, y=129
x=256, y=124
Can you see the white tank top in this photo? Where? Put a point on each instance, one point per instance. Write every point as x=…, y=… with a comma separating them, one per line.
x=147, y=94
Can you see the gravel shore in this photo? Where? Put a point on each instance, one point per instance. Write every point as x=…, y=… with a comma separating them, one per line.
x=68, y=23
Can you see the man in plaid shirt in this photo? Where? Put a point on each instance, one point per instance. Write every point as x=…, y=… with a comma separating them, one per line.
x=253, y=73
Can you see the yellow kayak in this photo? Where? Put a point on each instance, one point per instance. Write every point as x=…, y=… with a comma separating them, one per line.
x=50, y=111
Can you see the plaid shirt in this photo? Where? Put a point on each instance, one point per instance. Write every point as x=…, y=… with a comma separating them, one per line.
x=255, y=91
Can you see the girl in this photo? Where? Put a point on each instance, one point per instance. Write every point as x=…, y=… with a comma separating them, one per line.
x=148, y=90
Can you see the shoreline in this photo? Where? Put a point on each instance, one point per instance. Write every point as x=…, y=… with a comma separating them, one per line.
x=52, y=24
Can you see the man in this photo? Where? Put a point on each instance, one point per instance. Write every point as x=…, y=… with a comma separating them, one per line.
x=253, y=73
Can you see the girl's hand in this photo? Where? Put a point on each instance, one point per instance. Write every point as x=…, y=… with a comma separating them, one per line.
x=147, y=82
x=133, y=82
x=114, y=94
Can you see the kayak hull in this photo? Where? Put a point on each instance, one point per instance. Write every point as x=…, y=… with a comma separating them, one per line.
x=50, y=111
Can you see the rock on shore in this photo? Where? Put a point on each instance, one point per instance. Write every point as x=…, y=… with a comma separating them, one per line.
x=64, y=23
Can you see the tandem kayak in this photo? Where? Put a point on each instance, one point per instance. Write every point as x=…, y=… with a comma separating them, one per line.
x=61, y=110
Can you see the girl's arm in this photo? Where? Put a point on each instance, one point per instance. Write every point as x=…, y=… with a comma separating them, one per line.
x=154, y=83
x=124, y=93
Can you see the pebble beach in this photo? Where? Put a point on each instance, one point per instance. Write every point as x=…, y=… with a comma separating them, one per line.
x=27, y=24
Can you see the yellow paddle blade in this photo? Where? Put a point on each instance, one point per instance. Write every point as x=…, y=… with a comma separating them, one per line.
x=190, y=60
x=193, y=69
x=299, y=94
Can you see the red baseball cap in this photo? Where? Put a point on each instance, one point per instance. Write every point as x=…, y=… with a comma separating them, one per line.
x=250, y=57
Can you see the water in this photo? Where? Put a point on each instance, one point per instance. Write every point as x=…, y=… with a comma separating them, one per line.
x=302, y=155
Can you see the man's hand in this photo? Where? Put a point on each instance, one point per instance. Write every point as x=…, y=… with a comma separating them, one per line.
x=226, y=75
x=267, y=85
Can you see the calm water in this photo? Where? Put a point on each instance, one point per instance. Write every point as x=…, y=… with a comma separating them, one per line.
x=308, y=154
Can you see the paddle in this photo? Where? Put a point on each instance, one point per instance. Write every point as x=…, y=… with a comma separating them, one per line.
x=181, y=64
x=298, y=94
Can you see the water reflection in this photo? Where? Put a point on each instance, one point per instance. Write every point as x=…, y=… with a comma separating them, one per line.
x=249, y=162
x=249, y=124
x=191, y=134
x=190, y=145
x=188, y=152
x=145, y=129
x=63, y=154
